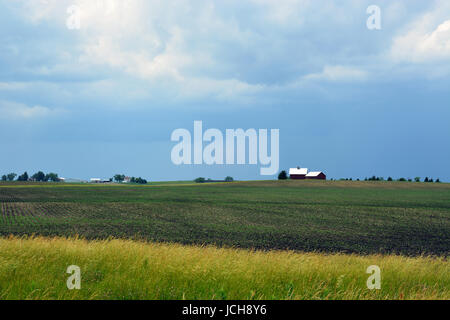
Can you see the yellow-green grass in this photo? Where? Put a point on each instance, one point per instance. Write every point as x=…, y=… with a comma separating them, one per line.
x=35, y=268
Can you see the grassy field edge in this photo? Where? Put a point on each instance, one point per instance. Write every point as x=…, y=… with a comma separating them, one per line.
x=35, y=268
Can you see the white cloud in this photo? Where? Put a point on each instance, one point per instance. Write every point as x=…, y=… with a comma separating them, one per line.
x=421, y=46
x=14, y=110
x=12, y=86
x=165, y=50
x=107, y=51
x=161, y=42
x=425, y=39
x=338, y=73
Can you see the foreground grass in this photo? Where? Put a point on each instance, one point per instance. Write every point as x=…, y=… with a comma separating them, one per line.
x=35, y=268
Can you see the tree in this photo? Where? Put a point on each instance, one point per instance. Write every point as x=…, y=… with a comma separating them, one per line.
x=426, y=179
x=390, y=179
x=11, y=176
x=140, y=181
x=200, y=180
x=119, y=178
x=53, y=177
x=23, y=177
x=4, y=177
x=38, y=176
x=402, y=179
x=229, y=179
x=438, y=181
x=417, y=179
x=282, y=175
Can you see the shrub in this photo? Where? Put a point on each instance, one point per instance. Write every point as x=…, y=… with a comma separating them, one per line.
x=138, y=180
x=283, y=175
x=141, y=181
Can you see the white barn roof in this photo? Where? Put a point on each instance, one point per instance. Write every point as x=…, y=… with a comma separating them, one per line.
x=299, y=171
x=314, y=174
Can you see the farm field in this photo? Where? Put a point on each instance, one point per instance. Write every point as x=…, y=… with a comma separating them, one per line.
x=309, y=216
x=35, y=268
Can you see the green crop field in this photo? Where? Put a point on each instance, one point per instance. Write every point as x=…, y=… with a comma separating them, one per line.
x=333, y=216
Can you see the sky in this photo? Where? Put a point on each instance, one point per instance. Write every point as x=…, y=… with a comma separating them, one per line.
x=91, y=88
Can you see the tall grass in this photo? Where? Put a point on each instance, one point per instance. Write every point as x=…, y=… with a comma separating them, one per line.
x=35, y=268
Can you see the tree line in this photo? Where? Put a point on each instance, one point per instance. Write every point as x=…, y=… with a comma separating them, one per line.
x=203, y=180
x=120, y=178
x=416, y=179
x=53, y=177
x=283, y=176
x=38, y=177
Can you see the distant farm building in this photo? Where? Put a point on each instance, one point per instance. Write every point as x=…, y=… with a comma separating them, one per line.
x=98, y=180
x=127, y=180
x=319, y=175
x=298, y=173
x=302, y=173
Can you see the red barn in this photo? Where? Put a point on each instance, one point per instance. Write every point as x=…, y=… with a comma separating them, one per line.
x=319, y=175
x=298, y=173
